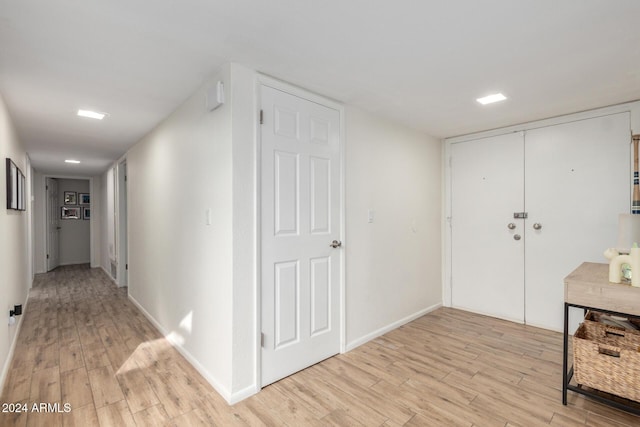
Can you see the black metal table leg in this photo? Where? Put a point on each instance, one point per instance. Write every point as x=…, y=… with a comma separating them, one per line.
x=565, y=355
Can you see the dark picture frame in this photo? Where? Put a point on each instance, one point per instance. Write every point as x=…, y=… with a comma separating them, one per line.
x=84, y=198
x=70, y=212
x=70, y=198
x=12, y=184
x=86, y=213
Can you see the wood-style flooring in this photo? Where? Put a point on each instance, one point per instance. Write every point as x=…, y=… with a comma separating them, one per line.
x=82, y=343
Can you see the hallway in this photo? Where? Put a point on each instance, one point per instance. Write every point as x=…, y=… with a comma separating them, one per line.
x=84, y=344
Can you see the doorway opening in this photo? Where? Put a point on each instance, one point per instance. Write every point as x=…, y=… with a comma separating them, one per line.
x=68, y=235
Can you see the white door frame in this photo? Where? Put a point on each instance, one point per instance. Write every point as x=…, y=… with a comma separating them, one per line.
x=263, y=80
x=47, y=229
x=30, y=223
x=93, y=229
x=446, y=167
x=121, y=223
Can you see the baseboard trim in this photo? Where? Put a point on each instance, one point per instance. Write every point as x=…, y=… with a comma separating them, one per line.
x=390, y=327
x=108, y=275
x=62, y=264
x=242, y=394
x=12, y=347
x=231, y=398
x=485, y=313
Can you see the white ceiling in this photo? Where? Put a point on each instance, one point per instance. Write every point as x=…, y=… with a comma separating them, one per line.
x=419, y=62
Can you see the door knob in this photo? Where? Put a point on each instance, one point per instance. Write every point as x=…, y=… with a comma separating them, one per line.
x=537, y=226
x=516, y=237
x=335, y=244
x=511, y=226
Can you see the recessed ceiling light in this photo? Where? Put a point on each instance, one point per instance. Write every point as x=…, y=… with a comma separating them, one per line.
x=491, y=98
x=72, y=161
x=91, y=114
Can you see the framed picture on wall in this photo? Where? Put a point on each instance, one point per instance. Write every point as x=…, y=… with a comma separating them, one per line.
x=70, y=198
x=12, y=184
x=71, y=212
x=85, y=198
x=86, y=213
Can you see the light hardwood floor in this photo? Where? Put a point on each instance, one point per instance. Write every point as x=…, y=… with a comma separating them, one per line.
x=83, y=343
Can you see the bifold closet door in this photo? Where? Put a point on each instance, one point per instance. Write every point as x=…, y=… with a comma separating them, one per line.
x=487, y=242
x=577, y=181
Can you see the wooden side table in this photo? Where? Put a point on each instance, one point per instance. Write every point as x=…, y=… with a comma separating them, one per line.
x=588, y=288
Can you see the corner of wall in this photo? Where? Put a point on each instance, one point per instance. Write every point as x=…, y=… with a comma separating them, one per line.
x=244, y=183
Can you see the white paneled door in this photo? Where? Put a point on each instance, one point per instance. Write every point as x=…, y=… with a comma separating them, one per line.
x=571, y=179
x=487, y=187
x=577, y=182
x=300, y=217
x=53, y=224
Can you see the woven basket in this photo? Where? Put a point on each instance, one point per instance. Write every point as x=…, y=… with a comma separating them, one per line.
x=608, y=359
x=596, y=316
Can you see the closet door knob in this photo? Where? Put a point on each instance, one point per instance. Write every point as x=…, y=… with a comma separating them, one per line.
x=511, y=226
x=537, y=226
x=516, y=237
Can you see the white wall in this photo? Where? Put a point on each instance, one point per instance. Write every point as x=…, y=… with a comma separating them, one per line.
x=14, y=257
x=197, y=282
x=180, y=268
x=244, y=334
x=393, y=263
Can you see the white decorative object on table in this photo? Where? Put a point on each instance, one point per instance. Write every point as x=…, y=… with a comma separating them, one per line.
x=617, y=261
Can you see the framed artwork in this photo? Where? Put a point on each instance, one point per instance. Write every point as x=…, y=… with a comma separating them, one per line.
x=71, y=212
x=70, y=198
x=86, y=213
x=12, y=184
x=85, y=198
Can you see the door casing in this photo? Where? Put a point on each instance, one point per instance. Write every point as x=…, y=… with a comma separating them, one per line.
x=122, y=237
x=51, y=261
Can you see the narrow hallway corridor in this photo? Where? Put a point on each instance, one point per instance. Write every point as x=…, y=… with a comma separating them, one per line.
x=83, y=343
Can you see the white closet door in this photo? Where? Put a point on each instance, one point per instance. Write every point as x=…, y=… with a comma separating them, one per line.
x=577, y=182
x=300, y=218
x=487, y=261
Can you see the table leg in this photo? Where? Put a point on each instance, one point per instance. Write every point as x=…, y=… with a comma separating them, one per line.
x=565, y=355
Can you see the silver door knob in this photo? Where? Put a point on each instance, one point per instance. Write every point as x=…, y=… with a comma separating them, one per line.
x=511, y=226
x=336, y=244
x=516, y=237
x=537, y=226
